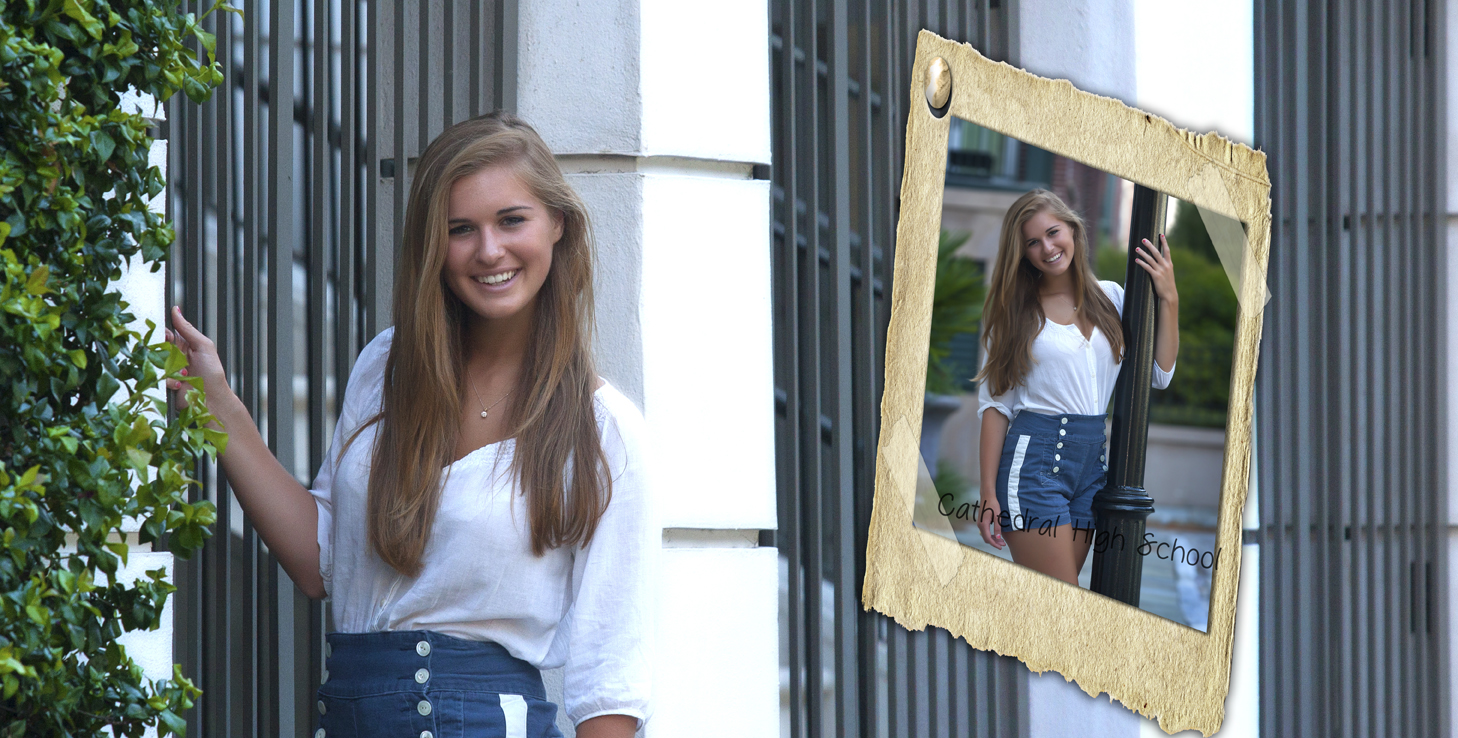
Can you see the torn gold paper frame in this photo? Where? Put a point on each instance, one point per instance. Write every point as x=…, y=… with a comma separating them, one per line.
x=1154, y=666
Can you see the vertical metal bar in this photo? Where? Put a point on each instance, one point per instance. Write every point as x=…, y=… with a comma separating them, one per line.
x=1364, y=223
x=1435, y=52
x=867, y=425
x=1322, y=634
x=1405, y=353
x=1263, y=104
x=1342, y=111
x=222, y=541
x=378, y=93
x=281, y=312
x=211, y=253
x=505, y=60
x=481, y=66
x=346, y=337
x=1392, y=565
x=316, y=338
x=847, y=591
x=810, y=368
x=791, y=538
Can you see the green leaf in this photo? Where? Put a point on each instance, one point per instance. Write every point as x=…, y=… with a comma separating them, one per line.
x=139, y=459
x=36, y=285
x=119, y=548
x=176, y=360
x=171, y=723
x=103, y=144
x=89, y=22
x=78, y=357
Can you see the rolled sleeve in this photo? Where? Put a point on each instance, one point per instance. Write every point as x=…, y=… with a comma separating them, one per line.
x=610, y=623
x=1161, y=378
x=322, y=500
x=1003, y=403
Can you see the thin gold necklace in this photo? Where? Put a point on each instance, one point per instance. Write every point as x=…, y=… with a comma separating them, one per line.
x=485, y=410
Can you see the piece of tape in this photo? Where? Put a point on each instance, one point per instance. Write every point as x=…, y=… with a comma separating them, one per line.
x=945, y=560
x=1227, y=233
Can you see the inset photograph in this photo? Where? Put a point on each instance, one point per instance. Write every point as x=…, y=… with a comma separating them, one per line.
x=1034, y=246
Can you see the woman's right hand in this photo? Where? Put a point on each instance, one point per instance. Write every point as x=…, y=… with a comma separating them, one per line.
x=202, y=358
x=987, y=522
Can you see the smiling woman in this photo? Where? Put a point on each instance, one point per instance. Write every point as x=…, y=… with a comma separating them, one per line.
x=1054, y=346
x=447, y=576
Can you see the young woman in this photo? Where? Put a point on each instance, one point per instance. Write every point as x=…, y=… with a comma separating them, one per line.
x=483, y=512
x=1054, y=345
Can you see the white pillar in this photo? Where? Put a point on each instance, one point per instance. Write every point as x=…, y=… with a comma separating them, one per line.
x=145, y=293
x=659, y=125
x=1089, y=43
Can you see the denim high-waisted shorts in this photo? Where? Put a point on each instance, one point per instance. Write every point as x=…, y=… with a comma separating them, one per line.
x=422, y=684
x=1052, y=465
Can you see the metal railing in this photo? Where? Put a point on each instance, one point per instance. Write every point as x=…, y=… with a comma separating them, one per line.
x=1349, y=106
x=285, y=255
x=839, y=73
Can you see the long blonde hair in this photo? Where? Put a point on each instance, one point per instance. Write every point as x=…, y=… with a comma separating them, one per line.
x=553, y=420
x=1013, y=316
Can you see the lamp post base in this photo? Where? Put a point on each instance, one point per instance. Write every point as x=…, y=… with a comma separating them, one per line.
x=1120, y=514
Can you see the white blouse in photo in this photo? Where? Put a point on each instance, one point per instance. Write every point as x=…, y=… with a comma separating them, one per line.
x=1071, y=374
x=586, y=609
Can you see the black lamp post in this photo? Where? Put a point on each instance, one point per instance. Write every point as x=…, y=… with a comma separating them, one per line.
x=1122, y=507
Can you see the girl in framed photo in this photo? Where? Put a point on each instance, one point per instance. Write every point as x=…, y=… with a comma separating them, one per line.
x=1054, y=345
x=484, y=510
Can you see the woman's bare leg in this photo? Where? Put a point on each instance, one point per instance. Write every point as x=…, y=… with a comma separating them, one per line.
x=1055, y=553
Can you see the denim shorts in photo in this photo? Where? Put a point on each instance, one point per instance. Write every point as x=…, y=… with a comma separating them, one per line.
x=423, y=684
x=1051, y=467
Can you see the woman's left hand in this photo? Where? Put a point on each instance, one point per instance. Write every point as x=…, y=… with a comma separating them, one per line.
x=1160, y=268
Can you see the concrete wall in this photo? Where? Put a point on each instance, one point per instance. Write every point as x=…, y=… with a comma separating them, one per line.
x=659, y=124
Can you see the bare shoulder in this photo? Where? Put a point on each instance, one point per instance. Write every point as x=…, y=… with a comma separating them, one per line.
x=600, y=383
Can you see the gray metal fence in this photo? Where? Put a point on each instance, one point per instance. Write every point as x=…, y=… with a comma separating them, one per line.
x=1352, y=493
x=840, y=71
x=285, y=249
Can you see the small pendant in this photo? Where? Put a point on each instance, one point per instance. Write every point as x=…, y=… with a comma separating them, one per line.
x=483, y=414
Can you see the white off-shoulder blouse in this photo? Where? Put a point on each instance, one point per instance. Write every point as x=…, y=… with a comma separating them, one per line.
x=588, y=609
x=1071, y=374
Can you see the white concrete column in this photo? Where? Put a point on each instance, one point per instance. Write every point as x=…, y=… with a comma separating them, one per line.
x=1087, y=42
x=145, y=293
x=659, y=124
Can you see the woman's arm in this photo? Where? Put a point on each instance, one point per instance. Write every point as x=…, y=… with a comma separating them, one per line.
x=1167, y=328
x=994, y=433
x=608, y=726
x=281, y=510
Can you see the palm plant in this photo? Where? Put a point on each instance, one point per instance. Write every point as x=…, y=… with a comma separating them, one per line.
x=956, y=309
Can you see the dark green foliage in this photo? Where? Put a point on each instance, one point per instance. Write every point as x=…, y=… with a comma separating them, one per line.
x=1200, y=391
x=956, y=308
x=84, y=440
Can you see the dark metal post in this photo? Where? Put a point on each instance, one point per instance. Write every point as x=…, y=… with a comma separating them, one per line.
x=1121, y=508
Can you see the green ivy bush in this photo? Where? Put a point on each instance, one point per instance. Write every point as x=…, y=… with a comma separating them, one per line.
x=84, y=438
